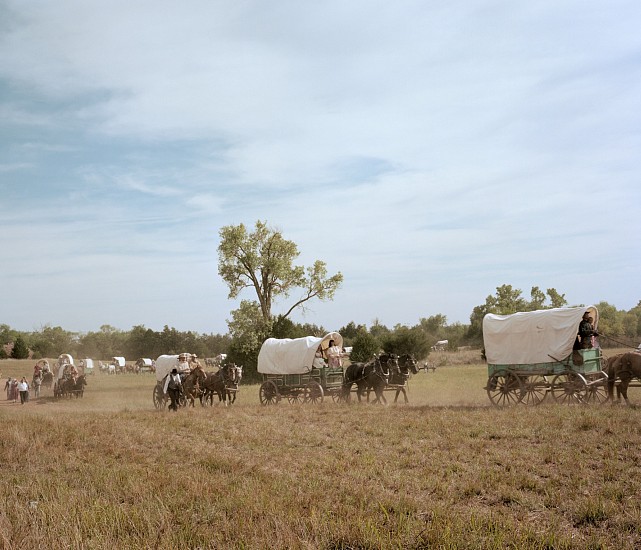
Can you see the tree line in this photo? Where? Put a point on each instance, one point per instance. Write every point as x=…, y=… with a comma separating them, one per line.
x=263, y=261
x=617, y=328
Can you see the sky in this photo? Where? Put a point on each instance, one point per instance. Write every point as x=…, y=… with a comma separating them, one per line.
x=429, y=151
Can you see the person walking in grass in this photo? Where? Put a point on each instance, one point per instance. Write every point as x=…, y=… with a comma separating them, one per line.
x=14, y=390
x=23, y=388
x=173, y=387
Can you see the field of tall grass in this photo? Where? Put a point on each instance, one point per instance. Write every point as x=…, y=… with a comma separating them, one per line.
x=446, y=471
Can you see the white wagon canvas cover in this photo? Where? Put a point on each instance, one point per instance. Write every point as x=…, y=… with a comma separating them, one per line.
x=531, y=337
x=293, y=355
x=165, y=363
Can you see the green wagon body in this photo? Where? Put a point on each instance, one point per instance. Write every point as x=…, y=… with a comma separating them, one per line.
x=592, y=364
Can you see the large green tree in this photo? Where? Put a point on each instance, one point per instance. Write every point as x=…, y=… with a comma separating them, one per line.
x=263, y=260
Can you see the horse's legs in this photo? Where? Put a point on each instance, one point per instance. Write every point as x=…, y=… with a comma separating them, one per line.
x=624, y=389
x=610, y=389
x=398, y=392
x=381, y=397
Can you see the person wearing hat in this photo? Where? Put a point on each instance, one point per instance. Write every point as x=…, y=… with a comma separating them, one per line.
x=173, y=387
x=586, y=331
x=334, y=356
x=193, y=363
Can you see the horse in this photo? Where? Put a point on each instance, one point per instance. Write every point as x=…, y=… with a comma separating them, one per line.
x=224, y=383
x=625, y=367
x=407, y=365
x=79, y=389
x=232, y=375
x=72, y=386
x=369, y=376
x=47, y=379
x=36, y=382
x=193, y=384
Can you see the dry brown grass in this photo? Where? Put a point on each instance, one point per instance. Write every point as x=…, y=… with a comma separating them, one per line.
x=447, y=471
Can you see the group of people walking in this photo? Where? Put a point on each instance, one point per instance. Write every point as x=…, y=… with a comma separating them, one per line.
x=17, y=390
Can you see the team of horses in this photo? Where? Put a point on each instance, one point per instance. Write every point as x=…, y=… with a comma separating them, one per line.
x=205, y=386
x=68, y=386
x=385, y=372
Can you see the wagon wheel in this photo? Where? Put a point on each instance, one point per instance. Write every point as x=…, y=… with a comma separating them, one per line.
x=597, y=391
x=569, y=387
x=296, y=395
x=505, y=388
x=314, y=392
x=160, y=400
x=268, y=393
x=536, y=389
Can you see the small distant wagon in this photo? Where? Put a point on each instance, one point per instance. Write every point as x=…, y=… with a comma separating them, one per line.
x=119, y=363
x=145, y=364
x=531, y=355
x=292, y=370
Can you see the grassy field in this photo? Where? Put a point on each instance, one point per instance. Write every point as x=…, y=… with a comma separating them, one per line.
x=446, y=471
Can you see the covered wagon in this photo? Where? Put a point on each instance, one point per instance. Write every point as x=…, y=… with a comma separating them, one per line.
x=296, y=368
x=535, y=353
x=145, y=364
x=164, y=365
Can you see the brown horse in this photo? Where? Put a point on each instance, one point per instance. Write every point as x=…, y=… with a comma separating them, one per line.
x=70, y=387
x=47, y=379
x=623, y=367
x=193, y=384
x=223, y=383
x=232, y=375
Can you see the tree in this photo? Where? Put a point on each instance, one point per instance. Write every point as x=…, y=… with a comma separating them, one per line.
x=508, y=300
x=248, y=330
x=351, y=331
x=20, y=349
x=364, y=348
x=407, y=340
x=264, y=260
x=52, y=341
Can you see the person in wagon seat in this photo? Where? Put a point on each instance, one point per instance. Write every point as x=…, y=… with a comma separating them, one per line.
x=586, y=331
x=334, y=356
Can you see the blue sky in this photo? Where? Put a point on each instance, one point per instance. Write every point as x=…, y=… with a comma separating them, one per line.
x=430, y=151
